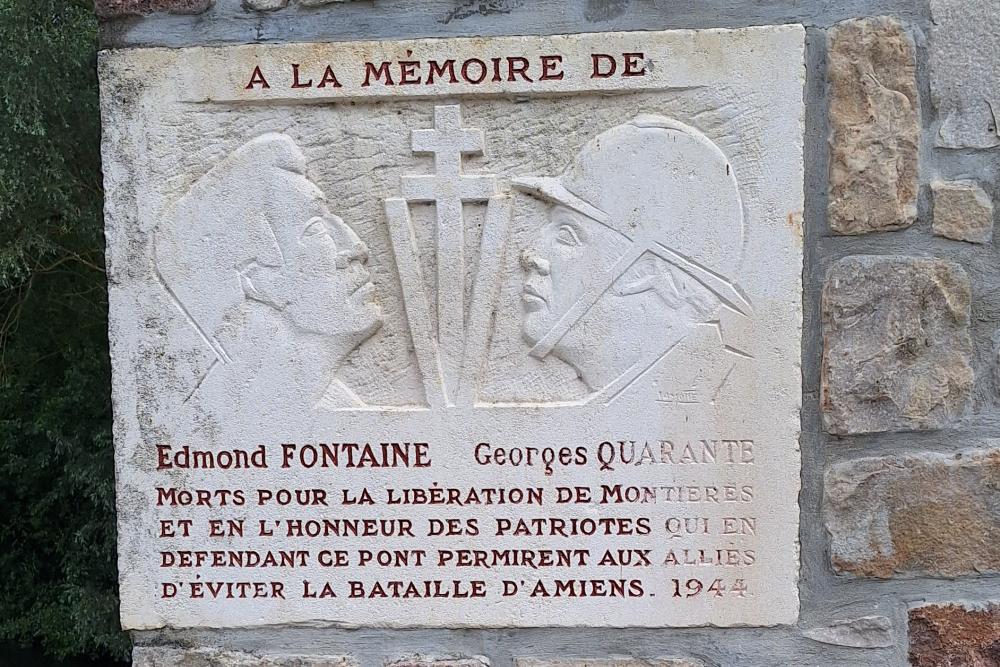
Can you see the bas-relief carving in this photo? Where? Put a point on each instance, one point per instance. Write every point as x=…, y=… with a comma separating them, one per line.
x=642, y=230
x=273, y=282
x=449, y=361
x=640, y=247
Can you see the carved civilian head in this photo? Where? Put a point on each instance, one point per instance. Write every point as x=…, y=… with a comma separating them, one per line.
x=642, y=230
x=263, y=270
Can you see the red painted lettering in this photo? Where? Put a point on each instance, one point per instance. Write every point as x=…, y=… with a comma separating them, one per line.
x=482, y=70
x=549, y=66
x=296, y=83
x=496, y=69
x=440, y=69
x=329, y=78
x=634, y=64
x=610, y=64
x=380, y=72
x=257, y=79
x=517, y=66
x=409, y=72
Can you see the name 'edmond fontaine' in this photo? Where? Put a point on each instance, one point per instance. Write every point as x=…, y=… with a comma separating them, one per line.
x=319, y=455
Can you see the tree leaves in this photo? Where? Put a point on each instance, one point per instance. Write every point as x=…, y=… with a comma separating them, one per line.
x=57, y=521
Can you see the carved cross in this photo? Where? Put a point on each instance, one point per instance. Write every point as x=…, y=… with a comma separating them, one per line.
x=448, y=189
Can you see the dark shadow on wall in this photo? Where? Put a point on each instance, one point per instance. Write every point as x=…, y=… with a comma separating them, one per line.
x=15, y=656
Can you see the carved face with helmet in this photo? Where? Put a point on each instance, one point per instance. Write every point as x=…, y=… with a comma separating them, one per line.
x=644, y=230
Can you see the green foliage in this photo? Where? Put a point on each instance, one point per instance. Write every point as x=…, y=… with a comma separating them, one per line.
x=57, y=514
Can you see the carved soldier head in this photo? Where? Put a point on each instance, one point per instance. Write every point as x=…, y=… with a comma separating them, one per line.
x=642, y=231
x=262, y=269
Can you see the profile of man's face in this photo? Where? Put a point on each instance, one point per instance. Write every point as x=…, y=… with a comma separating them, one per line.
x=324, y=286
x=570, y=250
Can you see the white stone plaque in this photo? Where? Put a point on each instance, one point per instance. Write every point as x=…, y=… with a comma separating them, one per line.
x=458, y=333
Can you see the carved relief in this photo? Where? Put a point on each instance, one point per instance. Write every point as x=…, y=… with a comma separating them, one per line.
x=643, y=234
x=273, y=282
x=450, y=362
x=642, y=229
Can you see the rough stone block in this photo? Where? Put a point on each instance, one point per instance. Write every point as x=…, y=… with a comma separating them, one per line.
x=159, y=656
x=952, y=634
x=864, y=632
x=438, y=661
x=962, y=211
x=110, y=9
x=965, y=71
x=896, y=344
x=609, y=662
x=318, y=3
x=874, y=126
x=927, y=514
x=264, y=5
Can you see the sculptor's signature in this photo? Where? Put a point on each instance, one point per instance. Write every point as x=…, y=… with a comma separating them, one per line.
x=683, y=397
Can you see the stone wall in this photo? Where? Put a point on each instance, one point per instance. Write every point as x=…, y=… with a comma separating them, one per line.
x=900, y=501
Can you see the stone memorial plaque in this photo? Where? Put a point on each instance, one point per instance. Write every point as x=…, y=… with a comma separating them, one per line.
x=458, y=333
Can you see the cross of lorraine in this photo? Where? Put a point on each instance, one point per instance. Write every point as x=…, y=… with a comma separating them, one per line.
x=449, y=361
